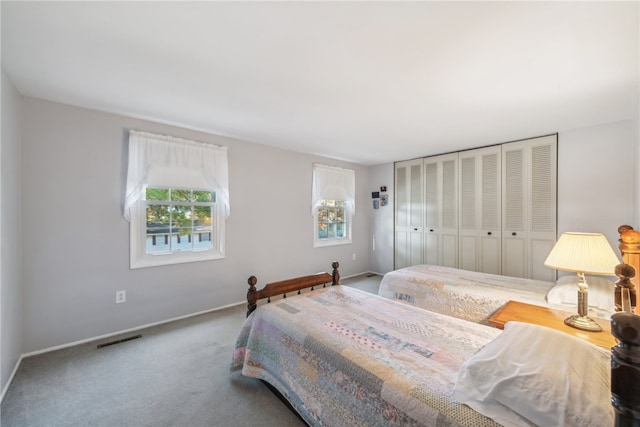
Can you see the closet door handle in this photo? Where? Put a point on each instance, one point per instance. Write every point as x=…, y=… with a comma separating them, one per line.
x=514, y=234
x=415, y=229
x=489, y=233
x=431, y=230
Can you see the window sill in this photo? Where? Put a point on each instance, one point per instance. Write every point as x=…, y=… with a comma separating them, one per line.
x=174, y=258
x=331, y=242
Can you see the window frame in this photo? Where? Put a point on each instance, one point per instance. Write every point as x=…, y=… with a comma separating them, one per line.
x=138, y=238
x=332, y=241
x=332, y=183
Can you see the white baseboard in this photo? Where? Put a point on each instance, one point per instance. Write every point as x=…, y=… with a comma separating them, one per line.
x=13, y=374
x=375, y=272
x=360, y=274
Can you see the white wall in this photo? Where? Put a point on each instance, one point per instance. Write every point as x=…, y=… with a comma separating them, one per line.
x=76, y=240
x=382, y=220
x=11, y=298
x=596, y=172
x=596, y=176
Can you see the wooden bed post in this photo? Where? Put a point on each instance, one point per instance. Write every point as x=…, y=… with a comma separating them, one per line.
x=625, y=369
x=630, y=250
x=335, y=273
x=252, y=295
x=625, y=273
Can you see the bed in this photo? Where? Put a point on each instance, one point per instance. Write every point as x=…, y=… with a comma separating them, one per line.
x=475, y=296
x=341, y=356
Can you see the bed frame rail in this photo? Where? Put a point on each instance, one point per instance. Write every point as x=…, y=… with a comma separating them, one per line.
x=287, y=286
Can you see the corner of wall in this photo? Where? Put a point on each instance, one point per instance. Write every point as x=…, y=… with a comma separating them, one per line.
x=11, y=292
x=381, y=234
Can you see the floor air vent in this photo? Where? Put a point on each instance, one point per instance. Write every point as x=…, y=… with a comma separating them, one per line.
x=134, y=337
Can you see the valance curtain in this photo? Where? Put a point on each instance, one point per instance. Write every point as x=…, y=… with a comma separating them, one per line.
x=333, y=183
x=164, y=161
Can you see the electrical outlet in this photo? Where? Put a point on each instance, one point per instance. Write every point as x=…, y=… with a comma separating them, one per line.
x=353, y=256
x=121, y=296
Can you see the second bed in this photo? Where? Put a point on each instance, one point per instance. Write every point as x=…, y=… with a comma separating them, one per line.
x=475, y=296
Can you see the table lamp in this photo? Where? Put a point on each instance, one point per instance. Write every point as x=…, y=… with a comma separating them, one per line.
x=583, y=253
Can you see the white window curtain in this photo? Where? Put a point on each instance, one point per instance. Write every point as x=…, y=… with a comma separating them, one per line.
x=333, y=183
x=165, y=161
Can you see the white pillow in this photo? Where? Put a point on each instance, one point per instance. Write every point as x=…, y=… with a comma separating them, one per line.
x=533, y=374
x=601, y=292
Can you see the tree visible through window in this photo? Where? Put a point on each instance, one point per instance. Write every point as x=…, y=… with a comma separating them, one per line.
x=179, y=220
x=331, y=219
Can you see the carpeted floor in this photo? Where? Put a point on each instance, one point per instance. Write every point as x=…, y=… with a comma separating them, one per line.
x=176, y=374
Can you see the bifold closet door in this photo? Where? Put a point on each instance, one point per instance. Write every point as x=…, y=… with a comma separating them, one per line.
x=492, y=209
x=529, y=208
x=480, y=210
x=409, y=213
x=441, y=210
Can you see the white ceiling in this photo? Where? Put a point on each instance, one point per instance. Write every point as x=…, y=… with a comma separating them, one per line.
x=368, y=82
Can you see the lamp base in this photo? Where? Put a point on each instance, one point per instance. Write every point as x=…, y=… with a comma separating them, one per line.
x=582, y=322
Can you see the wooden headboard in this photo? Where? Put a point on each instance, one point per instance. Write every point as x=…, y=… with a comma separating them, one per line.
x=290, y=285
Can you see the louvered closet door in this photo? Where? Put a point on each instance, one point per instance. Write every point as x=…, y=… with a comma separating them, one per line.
x=480, y=210
x=448, y=254
x=441, y=210
x=543, y=206
x=468, y=246
x=409, y=214
x=432, y=192
x=529, y=208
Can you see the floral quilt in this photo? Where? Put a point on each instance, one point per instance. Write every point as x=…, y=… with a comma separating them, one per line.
x=467, y=295
x=344, y=357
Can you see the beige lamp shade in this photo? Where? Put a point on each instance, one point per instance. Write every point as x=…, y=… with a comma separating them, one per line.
x=588, y=253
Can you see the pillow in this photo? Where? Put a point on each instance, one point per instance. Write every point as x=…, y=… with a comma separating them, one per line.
x=601, y=295
x=533, y=374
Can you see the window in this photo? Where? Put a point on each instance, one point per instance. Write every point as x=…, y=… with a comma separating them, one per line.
x=177, y=200
x=178, y=220
x=333, y=205
x=332, y=221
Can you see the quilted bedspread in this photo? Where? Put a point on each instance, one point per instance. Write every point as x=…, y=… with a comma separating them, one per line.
x=344, y=357
x=459, y=293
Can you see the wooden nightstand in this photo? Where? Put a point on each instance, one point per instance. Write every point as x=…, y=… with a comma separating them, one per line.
x=551, y=318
